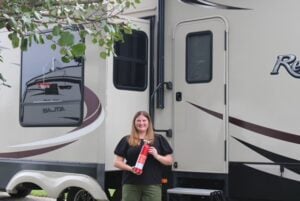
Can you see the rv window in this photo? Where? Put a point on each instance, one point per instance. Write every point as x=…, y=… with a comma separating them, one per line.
x=199, y=57
x=51, y=90
x=130, y=64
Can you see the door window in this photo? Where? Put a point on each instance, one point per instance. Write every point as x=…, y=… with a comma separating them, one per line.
x=199, y=57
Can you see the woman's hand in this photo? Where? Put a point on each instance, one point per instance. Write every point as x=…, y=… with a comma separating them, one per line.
x=153, y=152
x=136, y=172
x=165, y=160
x=120, y=163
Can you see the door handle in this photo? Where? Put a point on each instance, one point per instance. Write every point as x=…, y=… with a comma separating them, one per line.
x=178, y=96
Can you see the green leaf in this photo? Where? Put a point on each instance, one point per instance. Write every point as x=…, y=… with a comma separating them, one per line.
x=14, y=39
x=78, y=50
x=65, y=59
x=94, y=41
x=36, y=38
x=24, y=44
x=118, y=36
x=30, y=40
x=106, y=28
x=22, y=17
x=42, y=39
x=53, y=46
x=66, y=39
x=2, y=24
x=63, y=51
x=127, y=4
x=103, y=55
x=83, y=33
x=127, y=30
x=56, y=30
x=49, y=37
x=101, y=42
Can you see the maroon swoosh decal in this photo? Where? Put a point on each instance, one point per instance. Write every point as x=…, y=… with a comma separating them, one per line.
x=213, y=4
x=93, y=111
x=273, y=133
x=33, y=152
x=215, y=114
x=91, y=100
x=281, y=135
x=93, y=107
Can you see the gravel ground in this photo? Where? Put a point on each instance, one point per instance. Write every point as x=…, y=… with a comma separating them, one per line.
x=6, y=197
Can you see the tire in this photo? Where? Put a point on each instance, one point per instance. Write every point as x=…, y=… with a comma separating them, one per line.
x=78, y=194
x=62, y=196
x=21, y=192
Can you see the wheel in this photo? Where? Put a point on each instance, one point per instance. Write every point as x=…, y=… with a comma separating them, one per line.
x=78, y=194
x=21, y=192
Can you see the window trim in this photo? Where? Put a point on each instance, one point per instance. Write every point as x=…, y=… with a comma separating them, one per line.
x=200, y=33
x=145, y=63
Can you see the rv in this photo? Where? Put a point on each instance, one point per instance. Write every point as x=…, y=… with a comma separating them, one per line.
x=219, y=78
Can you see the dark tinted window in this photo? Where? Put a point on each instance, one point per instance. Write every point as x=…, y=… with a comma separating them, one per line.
x=51, y=90
x=131, y=65
x=199, y=57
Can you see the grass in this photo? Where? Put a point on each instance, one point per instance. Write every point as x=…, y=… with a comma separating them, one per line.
x=39, y=193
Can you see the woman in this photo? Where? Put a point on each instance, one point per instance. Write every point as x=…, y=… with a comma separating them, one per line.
x=147, y=185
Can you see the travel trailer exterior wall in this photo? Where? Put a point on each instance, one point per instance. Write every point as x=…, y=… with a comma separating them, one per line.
x=234, y=69
x=231, y=114
x=64, y=145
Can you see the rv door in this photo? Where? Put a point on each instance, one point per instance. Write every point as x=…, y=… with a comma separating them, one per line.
x=128, y=84
x=199, y=59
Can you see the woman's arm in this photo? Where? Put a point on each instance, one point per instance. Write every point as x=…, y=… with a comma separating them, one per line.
x=120, y=163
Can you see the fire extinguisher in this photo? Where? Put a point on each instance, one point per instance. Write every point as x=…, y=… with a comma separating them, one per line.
x=138, y=168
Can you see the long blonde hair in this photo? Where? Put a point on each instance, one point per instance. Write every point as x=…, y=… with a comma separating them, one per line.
x=134, y=139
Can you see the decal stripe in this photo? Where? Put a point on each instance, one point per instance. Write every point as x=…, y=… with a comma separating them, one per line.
x=33, y=152
x=93, y=112
x=287, y=164
x=276, y=158
x=272, y=156
x=213, y=4
x=91, y=101
x=281, y=135
x=277, y=134
x=215, y=114
x=93, y=108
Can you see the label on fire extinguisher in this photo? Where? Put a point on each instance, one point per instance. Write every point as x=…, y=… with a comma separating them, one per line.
x=138, y=168
x=141, y=161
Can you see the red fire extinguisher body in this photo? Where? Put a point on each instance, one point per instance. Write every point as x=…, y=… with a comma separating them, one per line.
x=138, y=168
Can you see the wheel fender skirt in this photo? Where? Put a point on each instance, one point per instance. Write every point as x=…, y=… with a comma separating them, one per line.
x=55, y=182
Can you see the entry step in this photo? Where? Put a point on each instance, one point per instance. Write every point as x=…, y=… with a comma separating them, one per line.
x=213, y=194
